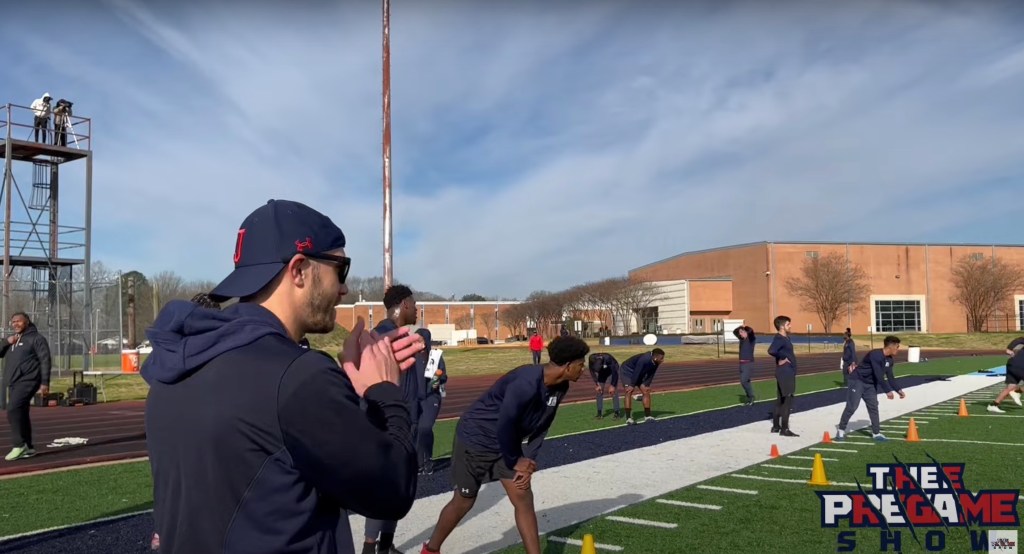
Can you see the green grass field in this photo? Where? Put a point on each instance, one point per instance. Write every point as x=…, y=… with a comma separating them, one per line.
x=79, y=495
x=784, y=517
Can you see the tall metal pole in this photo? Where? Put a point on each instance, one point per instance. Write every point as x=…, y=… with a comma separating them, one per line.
x=87, y=307
x=388, y=269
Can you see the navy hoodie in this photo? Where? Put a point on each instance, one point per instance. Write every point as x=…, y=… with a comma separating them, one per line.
x=258, y=445
x=518, y=407
x=877, y=369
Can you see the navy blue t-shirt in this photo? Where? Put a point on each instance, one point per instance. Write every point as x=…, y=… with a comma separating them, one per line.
x=517, y=407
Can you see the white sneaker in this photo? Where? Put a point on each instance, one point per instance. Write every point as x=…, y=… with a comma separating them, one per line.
x=630, y=421
x=879, y=437
x=995, y=409
x=840, y=434
x=1016, y=397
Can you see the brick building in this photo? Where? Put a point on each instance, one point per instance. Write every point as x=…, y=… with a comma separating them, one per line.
x=484, y=317
x=910, y=287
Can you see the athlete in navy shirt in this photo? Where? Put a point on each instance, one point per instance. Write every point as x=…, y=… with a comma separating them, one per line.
x=785, y=376
x=745, y=334
x=638, y=372
x=874, y=374
x=604, y=370
x=489, y=437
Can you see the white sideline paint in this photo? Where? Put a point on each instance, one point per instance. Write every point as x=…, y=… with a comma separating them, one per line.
x=811, y=458
x=647, y=522
x=834, y=450
x=781, y=480
x=563, y=497
x=597, y=545
x=688, y=504
x=727, y=489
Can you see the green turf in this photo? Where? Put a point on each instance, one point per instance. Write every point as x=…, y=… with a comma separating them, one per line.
x=82, y=495
x=785, y=517
x=575, y=418
x=67, y=497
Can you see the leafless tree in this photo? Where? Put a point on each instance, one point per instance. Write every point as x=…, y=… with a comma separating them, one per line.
x=633, y=299
x=514, y=317
x=983, y=286
x=602, y=296
x=485, y=316
x=829, y=284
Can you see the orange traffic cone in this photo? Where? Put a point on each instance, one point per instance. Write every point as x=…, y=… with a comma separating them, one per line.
x=963, y=409
x=826, y=439
x=912, y=432
x=818, y=472
x=775, y=451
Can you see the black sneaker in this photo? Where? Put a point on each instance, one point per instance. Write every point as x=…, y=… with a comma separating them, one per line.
x=776, y=428
x=787, y=433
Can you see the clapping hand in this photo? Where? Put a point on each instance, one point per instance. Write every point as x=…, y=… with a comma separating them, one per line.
x=369, y=358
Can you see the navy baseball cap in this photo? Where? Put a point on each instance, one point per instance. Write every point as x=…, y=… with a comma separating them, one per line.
x=267, y=240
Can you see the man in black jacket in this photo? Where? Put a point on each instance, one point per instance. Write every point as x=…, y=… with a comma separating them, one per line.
x=256, y=444
x=379, y=535
x=26, y=370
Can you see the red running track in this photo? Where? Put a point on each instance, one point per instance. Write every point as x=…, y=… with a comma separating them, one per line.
x=116, y=430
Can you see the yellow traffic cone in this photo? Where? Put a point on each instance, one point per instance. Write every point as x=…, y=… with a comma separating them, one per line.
x=818, y=472
x=963, y=409
x=588, y=544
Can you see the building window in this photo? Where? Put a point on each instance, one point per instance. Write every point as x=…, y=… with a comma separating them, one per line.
x=1020, y=315
x=977, y=256
x=812, y=254
x=698, y=325
x=892, y=316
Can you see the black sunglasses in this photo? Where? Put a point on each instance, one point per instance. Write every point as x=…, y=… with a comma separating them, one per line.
x=341, y=263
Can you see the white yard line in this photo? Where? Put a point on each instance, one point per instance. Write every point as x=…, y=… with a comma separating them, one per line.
x=597, y=545
x=562, y=496
x=644, y=522
x=726, y=489
x=688, y=504
x=781, y=480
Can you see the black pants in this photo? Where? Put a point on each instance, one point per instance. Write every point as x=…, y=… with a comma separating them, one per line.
x=431, y=406
x=21, y=394
x=41, y=125
x=785, y=385
x=845, y=369
x=854, y=392
x=746, y=371
x=536, y=356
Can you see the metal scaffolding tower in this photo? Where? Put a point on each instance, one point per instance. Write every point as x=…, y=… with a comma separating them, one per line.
x=42, y=259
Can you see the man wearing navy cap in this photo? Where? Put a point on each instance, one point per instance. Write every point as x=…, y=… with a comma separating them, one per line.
x=257, y=444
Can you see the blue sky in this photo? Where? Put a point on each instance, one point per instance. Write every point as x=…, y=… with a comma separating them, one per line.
x=535, y=146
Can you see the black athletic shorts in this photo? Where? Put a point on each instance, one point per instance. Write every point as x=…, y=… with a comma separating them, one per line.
x=785, y=382
x=1013, y=376
x=471, y=469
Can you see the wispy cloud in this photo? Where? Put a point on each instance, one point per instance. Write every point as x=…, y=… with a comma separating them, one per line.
x=538, y=146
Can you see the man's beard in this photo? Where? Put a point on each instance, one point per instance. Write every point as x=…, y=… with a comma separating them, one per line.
x=320, y=312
